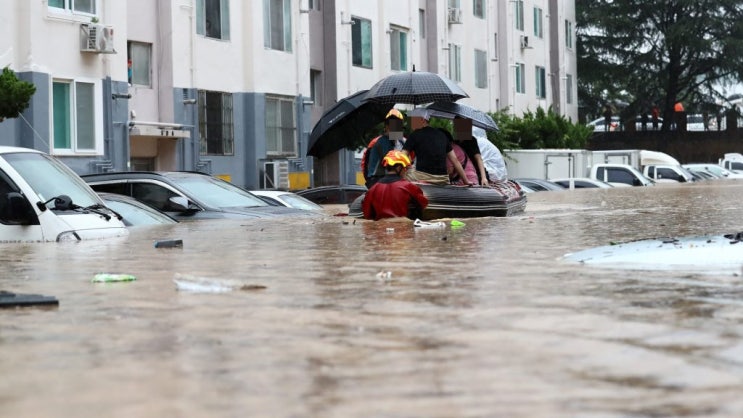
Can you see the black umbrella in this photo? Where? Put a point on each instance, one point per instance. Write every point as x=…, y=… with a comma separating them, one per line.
x=450, y=110
x=415, y=87
x=344, y=124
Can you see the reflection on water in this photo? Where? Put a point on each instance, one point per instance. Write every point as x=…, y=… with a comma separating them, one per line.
x=482, y=320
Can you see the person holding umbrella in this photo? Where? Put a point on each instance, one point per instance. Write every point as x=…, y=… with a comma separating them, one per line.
x=392, y=139
x=393, y=196
x=431, y=148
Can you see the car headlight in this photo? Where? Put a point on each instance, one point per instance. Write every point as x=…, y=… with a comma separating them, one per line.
x=68, y=236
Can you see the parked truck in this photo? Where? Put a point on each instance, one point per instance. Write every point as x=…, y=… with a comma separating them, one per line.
x=732, y=161
x=631, y=167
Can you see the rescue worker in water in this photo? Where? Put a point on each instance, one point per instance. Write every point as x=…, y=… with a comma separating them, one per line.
x=393, y=196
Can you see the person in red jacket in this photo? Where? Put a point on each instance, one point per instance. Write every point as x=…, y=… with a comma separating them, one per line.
x=393, y=196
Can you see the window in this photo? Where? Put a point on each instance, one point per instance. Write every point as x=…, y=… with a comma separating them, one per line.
x=478, y=8
x=73, y=116
x=540, y=81
x=277, y=25
x=361, y=42
x=313, y=4
x=422, y=23
x=78, y=6
x=213, y=18
x=398, y=49
x=495, y=47
x=280, y=126
x=138, y=63
x=569, y=34
x=455, y=62
x=315, y=86
x=215, y=123
x=454, y=4
x=518, y=14
x=569, y=88
x=481, y=69
x=520, y=78
x=538, y=30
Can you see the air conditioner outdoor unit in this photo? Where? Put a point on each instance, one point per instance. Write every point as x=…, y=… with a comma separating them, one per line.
x=524, y=42
x=97, y=38
x=276, y=174
x=455, y=15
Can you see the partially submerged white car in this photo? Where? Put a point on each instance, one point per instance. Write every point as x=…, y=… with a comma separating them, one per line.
x=41, y=199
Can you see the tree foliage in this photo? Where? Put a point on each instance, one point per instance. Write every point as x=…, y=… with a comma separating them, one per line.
x=650, y=53
x=15, y=95
x=540, y=129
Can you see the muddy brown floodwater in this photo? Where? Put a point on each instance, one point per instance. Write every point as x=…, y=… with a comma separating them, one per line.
x=336, y=318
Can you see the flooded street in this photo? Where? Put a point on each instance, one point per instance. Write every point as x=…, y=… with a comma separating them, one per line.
x=343, y=318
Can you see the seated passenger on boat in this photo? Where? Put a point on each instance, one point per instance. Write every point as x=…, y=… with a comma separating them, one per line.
x=393, y=196
x=432, y=148
x=468, y=153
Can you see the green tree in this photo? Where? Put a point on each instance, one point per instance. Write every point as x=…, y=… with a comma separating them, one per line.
x=15, y=95
x=657, y=52
x=540, y=129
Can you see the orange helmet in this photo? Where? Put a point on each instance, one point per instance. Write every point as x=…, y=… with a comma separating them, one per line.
x=396, y=157
x=394, y=113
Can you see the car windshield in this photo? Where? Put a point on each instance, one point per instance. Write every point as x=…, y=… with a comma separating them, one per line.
x=50, y=178
x=136, y=215
x=299, y=202
x=217, y=193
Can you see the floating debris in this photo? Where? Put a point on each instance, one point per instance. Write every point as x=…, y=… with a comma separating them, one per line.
x=189, y=283
x=109, y=278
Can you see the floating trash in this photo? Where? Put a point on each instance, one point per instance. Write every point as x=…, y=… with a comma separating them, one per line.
x=457, y=224
x=189, y=283
x=17, y=300
x=170, y=243
x=109, y=278
x=422, y=224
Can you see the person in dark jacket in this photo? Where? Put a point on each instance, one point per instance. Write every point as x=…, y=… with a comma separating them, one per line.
x=393, y=196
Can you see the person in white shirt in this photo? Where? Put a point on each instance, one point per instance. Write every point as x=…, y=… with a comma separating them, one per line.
x=492, y=158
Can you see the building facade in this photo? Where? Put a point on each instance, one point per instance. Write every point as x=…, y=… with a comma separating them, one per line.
x=233, y=88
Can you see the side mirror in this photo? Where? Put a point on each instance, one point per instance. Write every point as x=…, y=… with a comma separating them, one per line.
x=178, y=204
x=20, y=211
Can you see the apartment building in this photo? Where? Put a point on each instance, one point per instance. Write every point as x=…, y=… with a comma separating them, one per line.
x=233, y=88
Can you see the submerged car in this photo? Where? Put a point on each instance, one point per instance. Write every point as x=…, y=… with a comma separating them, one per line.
x=41, y=199
x=189, y=195
x=582, y=183
x=333, y=195
x=538, y=185
x=133, y=212
x=288, y=199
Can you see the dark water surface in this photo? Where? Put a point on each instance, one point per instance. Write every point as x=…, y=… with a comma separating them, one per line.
x=336, y=318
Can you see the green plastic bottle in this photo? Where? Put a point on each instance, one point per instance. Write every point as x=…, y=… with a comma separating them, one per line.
x=108, y=278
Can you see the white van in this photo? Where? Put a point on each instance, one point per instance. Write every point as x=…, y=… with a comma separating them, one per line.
x=41, y=199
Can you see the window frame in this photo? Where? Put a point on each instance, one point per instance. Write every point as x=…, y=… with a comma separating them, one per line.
x=226, y=123
x=481, y=68
x=68, y=7
x=286, y=26
x=73, y=117
x=520, y=78
x=365, y=51
x=540, y=81
x=481, y=4
x=518, y=15
x=538, y=22
x=569, y=88
x=224, y=22
x=399, y=45
x=455, y=62
x=280, y=149
x=131, y=73
x=568, y=34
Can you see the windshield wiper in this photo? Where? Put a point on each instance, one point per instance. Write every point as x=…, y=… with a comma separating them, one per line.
x=64, y=202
